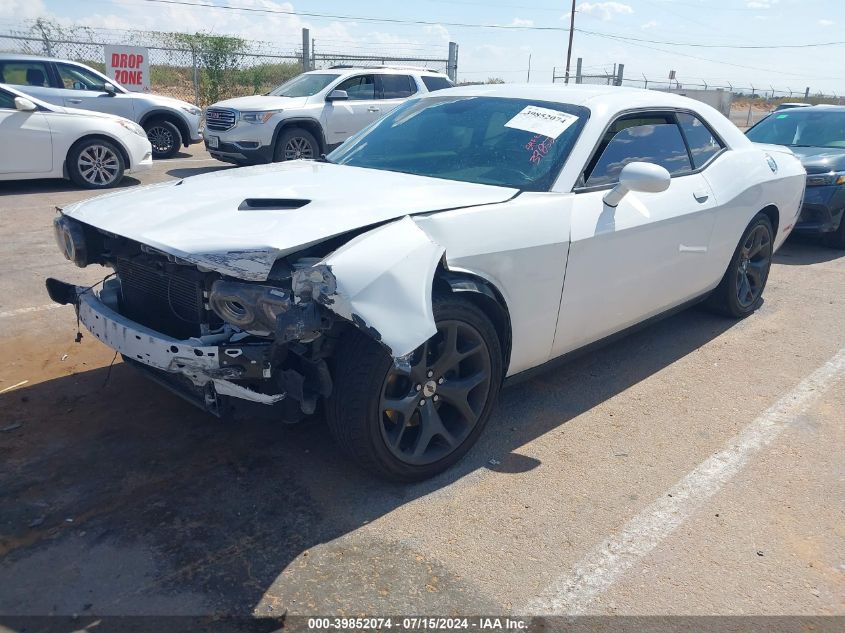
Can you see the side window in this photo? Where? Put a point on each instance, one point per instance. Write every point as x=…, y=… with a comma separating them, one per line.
x=703, y=144
x=359, y=88
x=78, y=78
x=7, y=100
x=24, y=73
x=436, y=83
x=645, y=138
x=397, y=86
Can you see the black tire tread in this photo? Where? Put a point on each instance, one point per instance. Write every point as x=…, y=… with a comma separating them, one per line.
x=178, y=135
x=360, y=367
x=284, y=134
x=721, y=300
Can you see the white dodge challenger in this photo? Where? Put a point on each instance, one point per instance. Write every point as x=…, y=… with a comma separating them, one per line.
x=471, y=235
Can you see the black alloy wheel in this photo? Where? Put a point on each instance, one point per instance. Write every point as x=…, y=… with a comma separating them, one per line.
x=409, y=419
x=753, y=269
x=428, y=409
x=740, y=292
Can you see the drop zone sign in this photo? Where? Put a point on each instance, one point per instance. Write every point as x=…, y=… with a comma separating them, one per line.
x=129, y=66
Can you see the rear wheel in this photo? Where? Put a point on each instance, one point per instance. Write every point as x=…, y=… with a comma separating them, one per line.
x=95, y=164
x=414, y=422
x=164, y=136
x=295, y=143
x=741, y=290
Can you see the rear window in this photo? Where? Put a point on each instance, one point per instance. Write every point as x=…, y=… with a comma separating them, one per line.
x=436, y=83
x=24, y=73
x=397, y=86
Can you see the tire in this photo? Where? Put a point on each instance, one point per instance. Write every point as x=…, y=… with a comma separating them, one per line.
x=740, y=292
x=431, y=437
x=294, y=143
x=837, y=238
x=95, y=163
x=164, y=136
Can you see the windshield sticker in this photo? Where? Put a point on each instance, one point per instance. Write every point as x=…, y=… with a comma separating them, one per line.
x=543, y=121
x=539, y=148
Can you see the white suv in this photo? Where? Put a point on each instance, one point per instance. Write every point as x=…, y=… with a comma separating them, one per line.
x=310, y=114
x=169, y=123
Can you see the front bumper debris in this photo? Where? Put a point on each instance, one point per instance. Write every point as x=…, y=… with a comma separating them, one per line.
x=209, y=363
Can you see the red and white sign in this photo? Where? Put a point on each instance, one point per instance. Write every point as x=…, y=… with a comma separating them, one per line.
x=129, y=66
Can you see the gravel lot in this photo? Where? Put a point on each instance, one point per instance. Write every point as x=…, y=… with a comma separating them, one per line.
x=586, y=492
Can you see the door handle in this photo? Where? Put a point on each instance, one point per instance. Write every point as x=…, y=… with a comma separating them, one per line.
x=701, y=196
x=372, y=109
x=74, y=100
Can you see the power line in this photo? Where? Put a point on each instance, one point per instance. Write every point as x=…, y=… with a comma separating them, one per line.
x=723, y=63
x=329, y=16
x=487, y=26
x=628, y=38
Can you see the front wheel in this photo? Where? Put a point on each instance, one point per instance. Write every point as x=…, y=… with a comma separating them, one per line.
x=411, y=423
x=741, y=290
x=95, y=164
x=165, y=138
x=295, y=143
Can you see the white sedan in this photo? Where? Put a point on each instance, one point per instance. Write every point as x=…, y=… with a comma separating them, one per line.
x=41, y=140
x=471, y=235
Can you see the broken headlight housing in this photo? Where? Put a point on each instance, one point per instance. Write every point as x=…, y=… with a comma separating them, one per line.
x=254, y=308
x=70, y=237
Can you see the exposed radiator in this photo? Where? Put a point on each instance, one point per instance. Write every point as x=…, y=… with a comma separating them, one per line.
x=163, y=297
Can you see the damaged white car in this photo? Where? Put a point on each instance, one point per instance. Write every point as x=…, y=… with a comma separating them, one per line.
x=469, y=236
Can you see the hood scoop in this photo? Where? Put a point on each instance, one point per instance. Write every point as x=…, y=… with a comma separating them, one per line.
x=271, y=204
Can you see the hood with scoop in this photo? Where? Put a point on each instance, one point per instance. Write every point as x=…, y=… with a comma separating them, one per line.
x=239, y=221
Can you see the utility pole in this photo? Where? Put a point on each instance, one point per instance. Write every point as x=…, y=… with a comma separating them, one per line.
x=528, y=79
x=569, y=48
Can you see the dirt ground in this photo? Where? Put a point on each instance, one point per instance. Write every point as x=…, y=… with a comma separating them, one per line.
x=118, y=498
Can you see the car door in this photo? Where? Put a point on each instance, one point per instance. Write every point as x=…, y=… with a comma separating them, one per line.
x=27, y=141
x=649, y=253
x=344, y=118
x=82, y=88
x=393, y=90
x=33, y=77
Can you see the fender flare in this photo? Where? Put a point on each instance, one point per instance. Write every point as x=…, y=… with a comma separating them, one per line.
x=312, y=124
x=487, y=297
x=173, y=117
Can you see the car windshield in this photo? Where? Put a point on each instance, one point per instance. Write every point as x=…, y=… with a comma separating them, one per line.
x=801, y=127
x=303, y=85
x=516, y=143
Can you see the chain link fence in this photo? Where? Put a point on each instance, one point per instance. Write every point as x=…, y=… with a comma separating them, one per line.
x=198, y=68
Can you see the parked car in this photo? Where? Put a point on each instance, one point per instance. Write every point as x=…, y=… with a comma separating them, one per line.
x=470, y=235
x=169, y=123
x=790, y=106
x=41, y=140
x=817, y=136
x=310, y=114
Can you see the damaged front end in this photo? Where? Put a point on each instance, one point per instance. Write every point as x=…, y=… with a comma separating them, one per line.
x=208, y=336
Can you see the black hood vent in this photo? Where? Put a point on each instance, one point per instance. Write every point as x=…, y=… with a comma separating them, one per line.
x=271, y=204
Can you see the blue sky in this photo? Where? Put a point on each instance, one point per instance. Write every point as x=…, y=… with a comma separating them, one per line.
x=504, y=53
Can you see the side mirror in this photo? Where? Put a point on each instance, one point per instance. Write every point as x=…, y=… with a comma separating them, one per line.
x=109, y=89
x=645, y=177
x=25, y=105
x=338, y=95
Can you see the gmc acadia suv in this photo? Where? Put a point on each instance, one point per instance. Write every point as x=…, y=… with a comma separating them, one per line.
x=310, y=114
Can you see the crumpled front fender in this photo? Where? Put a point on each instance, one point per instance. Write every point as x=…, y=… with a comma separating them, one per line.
x=382, y=283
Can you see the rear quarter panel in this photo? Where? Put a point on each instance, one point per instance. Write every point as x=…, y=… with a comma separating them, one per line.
x=744, y=184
